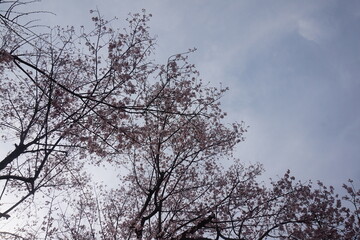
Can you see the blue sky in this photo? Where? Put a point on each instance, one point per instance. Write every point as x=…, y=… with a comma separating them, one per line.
x=292, y=67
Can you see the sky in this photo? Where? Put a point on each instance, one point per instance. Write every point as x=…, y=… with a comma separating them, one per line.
x=292, y=67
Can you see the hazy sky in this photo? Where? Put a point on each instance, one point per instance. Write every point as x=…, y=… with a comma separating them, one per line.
x=293, y=69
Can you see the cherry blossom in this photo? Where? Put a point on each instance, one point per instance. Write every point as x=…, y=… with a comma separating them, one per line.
x=74, y=100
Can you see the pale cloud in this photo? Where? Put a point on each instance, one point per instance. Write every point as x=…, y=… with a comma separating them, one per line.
x=315, y=30
x=310, y=30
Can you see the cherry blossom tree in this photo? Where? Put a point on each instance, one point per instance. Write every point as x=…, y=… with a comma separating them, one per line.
x=221, y=205
x=175, y=186
x=74, y=99
x=70, y=98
